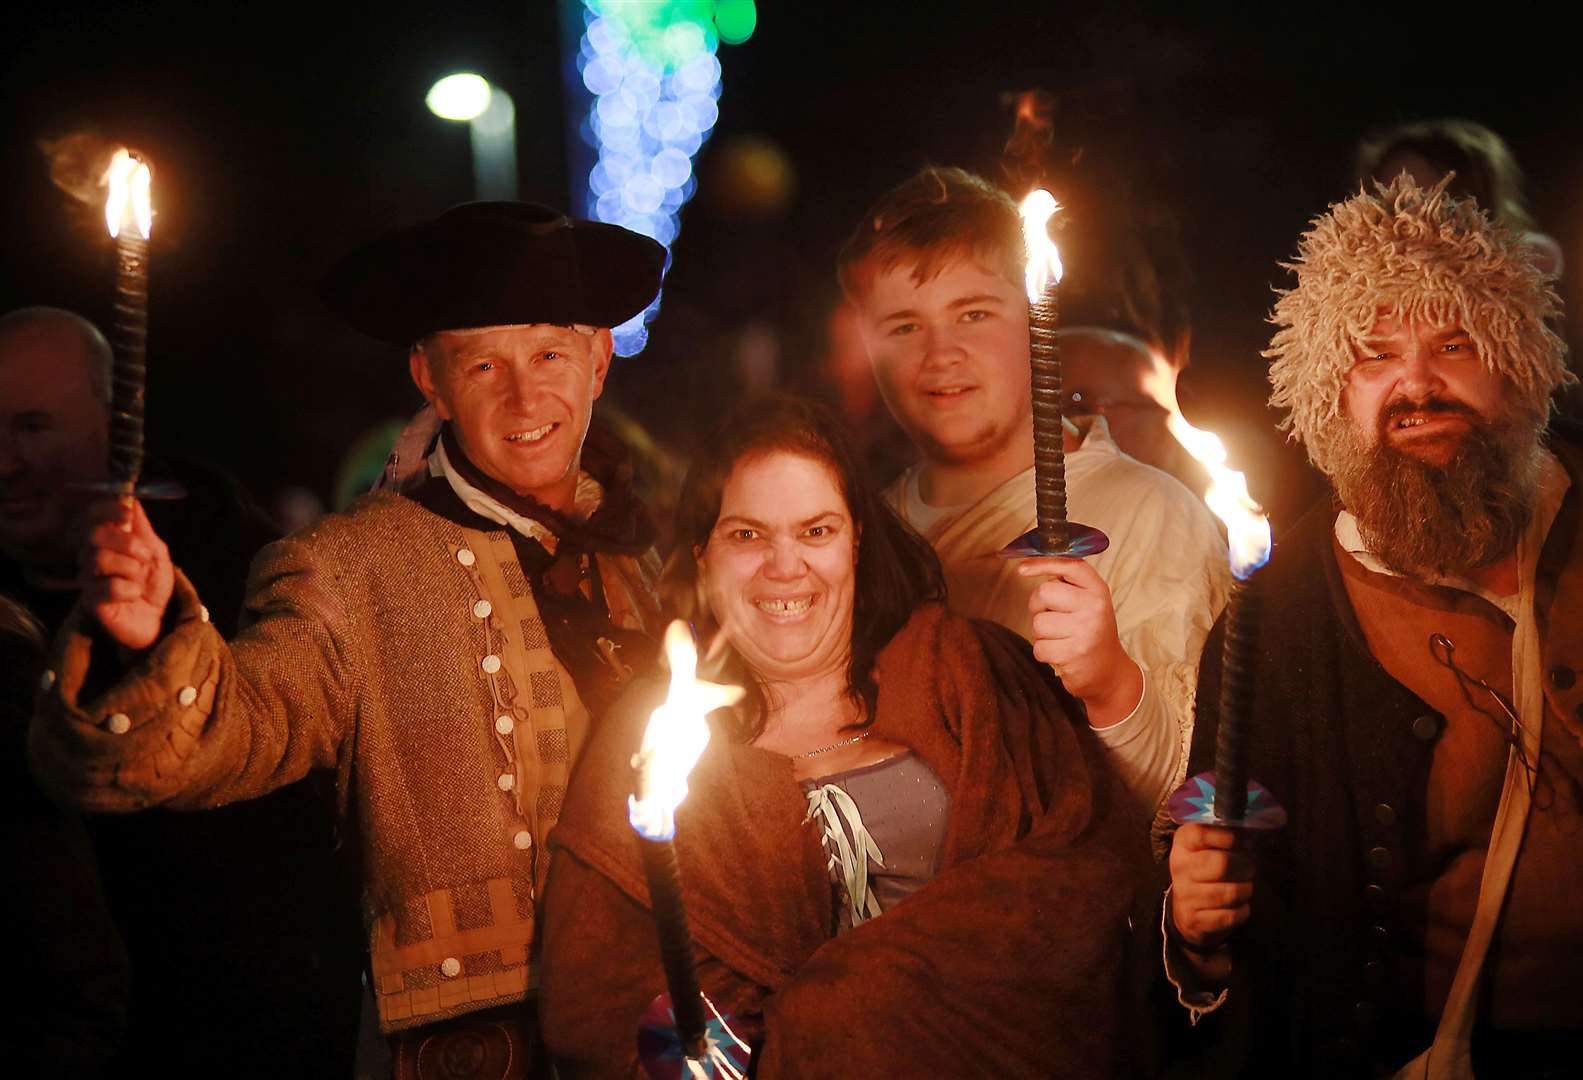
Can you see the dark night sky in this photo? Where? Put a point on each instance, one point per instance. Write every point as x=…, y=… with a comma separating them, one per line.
x=283, y=134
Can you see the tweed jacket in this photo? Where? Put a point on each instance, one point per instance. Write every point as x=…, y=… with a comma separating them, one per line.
x=399, y=648
x=1346, y=749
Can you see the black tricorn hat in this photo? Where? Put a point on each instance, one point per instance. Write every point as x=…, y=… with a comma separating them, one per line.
x=494, y=264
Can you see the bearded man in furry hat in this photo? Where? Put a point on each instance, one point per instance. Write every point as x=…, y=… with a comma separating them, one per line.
x=445, y=649
x=1418, y=706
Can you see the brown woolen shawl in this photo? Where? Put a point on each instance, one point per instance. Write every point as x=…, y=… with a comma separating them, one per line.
x=1009, y=962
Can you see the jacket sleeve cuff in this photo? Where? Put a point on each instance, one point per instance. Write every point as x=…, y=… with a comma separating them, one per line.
x=1145, y=748
x=1198, y=1001
x=128, y=746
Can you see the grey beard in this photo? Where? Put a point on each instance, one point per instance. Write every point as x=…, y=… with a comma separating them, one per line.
x=1431, y=521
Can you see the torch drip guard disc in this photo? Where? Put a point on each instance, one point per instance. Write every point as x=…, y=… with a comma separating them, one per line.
x=660, y=1048
x=153, y=491
x=1081, y=542
x=1194, y=804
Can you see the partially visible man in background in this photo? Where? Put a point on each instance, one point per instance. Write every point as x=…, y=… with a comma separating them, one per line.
x=236, y=923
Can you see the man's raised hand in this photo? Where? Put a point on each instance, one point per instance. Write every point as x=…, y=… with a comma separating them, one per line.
x=127, y=577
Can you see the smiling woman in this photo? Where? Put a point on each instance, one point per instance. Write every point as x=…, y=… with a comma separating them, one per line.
x=898, y=778
x=783, y=544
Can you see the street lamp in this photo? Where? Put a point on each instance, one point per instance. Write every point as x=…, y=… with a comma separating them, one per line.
x=491, y=118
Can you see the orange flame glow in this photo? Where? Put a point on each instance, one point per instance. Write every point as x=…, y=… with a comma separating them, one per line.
x=1247, y=527
x=1044, y=258
x=675, y=738
x=129, y=181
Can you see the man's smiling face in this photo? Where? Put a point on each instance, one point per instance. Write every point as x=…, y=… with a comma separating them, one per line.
x=950, y=355
x=519, y=400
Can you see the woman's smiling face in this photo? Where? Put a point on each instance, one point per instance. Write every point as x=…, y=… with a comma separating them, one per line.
x=780, y=564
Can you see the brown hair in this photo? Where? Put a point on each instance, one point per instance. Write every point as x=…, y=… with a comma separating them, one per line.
x=897, y=570
x=938, y=215
x=1485, y=167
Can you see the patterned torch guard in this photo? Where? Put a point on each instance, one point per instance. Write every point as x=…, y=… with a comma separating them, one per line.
x=660, y=1050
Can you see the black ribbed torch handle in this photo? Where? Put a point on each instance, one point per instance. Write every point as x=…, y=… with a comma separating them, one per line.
x=676, y=943
x=1049, y=437
x=129, y=378
x=1236, y=701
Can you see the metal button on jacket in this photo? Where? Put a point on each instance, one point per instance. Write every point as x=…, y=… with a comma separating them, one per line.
x=504, y=724
x=490, y=663
x=1426, y=727
x=1375, y=896
x=1380, y=858
x=187, y=695
x=523, y=840
x=1563, y=677
x=483, y=608
x=466, y=557
x=1385, y=814
x=505, y=781
x=46, y=680
x=119, y=723
x=450, y=967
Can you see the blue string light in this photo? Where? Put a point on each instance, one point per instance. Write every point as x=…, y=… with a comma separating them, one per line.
x=654, y=81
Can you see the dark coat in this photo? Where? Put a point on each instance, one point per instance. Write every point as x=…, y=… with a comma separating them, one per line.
x=241, y=924
x=1346, y=749
x=71, y=1021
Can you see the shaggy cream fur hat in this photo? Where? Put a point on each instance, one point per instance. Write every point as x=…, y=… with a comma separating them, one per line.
x=1420, y=256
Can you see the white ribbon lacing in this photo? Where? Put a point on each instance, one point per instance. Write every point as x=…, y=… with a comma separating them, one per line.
x=832, y=806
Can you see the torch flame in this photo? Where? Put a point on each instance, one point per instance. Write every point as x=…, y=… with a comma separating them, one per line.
x=129, y=181
x=675, y=738
x=1044, y=258
x=1247, y=527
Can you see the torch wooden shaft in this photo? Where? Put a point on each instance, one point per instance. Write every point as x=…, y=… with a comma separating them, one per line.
x=1049, y=437
x=129, y=333
x=1236, y=701
x=676, y=943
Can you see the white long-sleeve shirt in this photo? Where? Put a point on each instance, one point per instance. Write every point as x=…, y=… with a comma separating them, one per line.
x=1166, y=568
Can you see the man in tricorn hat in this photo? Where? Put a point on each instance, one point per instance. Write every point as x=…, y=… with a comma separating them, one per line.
x=442, y=648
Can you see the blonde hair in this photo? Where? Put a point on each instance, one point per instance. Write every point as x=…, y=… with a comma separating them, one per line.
x=1414, y=255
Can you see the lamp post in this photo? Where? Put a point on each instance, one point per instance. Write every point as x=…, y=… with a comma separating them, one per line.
x=491, y=118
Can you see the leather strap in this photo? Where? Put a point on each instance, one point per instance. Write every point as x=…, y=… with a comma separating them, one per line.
x=1450, y=1056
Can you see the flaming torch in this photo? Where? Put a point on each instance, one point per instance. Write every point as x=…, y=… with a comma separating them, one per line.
x=1054, y=534
x=672, y=743
x=129, y=213
x=1227, y=796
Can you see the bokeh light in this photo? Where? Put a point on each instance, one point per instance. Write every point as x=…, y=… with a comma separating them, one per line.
x=462, y=97
x=735, y=20
x=654, y=79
